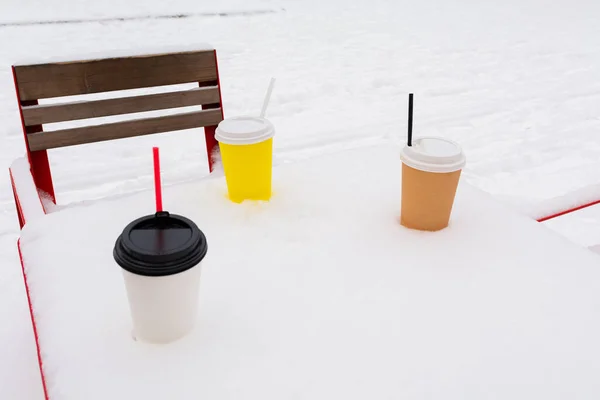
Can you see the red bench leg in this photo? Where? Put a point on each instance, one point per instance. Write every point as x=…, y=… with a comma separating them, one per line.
x=40, y=169
x=211, y=145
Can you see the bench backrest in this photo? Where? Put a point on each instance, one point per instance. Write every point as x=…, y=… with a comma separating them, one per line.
x=43, y=81
x=58, y=79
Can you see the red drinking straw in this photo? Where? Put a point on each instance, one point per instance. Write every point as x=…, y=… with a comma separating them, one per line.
x=157, y=187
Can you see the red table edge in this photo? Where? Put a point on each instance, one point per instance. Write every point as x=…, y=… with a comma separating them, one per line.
x=568, y=211
x=22, y=221
x=33, y=323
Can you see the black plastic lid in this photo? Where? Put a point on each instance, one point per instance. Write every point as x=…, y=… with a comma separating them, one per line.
x=159, y=245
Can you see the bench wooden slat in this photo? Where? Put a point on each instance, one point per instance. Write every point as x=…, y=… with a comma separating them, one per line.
x=125, y=129
x=44, y=114
x=43, y=81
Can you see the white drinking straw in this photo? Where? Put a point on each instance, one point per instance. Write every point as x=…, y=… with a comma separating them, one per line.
x=267, y=98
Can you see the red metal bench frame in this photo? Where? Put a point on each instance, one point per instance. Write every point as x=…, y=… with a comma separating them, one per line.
x=38, y=160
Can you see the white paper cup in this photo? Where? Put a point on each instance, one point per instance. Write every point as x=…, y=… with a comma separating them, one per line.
x=163, y=308
x=161, y=259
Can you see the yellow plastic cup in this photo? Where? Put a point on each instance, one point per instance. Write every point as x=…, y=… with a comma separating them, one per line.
x=246, y=145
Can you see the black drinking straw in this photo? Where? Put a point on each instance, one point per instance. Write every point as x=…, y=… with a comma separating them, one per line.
x=410, y=118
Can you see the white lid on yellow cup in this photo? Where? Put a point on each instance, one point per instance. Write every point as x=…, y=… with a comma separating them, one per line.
x=433, y=154
x=244, y=130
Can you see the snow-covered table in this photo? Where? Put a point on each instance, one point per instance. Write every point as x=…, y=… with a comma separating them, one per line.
x=322, y=294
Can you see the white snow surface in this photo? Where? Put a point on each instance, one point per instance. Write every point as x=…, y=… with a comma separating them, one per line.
x=516, y=83
x=92, y=54
x=30, y=11
x=321, y=293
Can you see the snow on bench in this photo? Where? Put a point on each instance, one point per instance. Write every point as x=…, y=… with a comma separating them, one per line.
x=322, y=294
x=27, y=200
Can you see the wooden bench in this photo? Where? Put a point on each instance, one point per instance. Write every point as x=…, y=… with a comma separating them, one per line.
x=34, y=82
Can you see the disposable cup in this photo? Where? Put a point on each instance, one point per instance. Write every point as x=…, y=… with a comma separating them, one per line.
x=161, y=256
x=246, y=145
x=431, y=170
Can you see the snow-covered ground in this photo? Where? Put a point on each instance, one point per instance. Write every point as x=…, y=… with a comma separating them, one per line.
x=516, y=82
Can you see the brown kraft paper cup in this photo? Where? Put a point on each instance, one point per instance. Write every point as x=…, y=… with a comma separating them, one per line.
x=431, y=171
x=427, y=198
